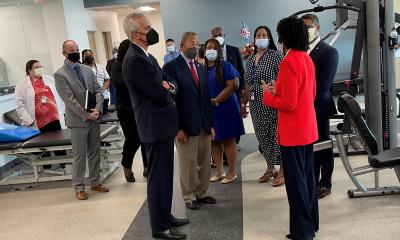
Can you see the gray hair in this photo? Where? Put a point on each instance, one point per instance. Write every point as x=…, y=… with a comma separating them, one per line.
x=311, y=17
x=130, y=24
x=216, y=30
x=186, y=35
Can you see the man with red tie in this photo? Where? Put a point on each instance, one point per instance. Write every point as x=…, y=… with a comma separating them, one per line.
x=195, y=122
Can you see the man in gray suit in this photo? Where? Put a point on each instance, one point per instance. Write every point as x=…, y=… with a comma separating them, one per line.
x=72, y=80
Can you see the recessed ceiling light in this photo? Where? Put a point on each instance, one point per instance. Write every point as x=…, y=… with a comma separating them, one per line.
x=146, y=9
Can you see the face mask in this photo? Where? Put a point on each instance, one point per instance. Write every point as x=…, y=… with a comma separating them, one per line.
x=211, y=55
x=191, y=53
x=221, y=40
x=312, y=34
x=38, y=72
x=152, y=37
x=262, y=43
x=115, y=55
x=74, y=57
x=171, y=48
x=89, y=59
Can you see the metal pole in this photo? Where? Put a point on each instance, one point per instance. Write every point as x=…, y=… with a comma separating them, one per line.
x=390, y=73
x=373, y=93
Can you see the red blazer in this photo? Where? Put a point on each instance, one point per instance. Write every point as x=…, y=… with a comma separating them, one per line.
x=294, y=100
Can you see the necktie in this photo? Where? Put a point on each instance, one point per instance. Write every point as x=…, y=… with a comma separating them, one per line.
x=194, y=74
x=80, y=75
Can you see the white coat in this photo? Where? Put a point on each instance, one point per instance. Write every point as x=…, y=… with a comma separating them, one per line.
x=25, y=101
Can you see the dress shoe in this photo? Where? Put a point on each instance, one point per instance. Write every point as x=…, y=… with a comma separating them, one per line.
x=288, y=236
x=81, y=195
x=323, y=192
x=100, y=188
x=177, y=222
x=207, y=200
x=130, y=178
x=192, y=205
x=169, y=234
x=228, y=180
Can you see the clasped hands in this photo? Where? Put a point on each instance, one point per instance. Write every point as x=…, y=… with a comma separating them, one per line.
x=268, y=87
x=93, y=115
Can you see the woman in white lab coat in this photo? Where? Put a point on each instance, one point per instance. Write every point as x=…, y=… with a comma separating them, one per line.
x=37, y=102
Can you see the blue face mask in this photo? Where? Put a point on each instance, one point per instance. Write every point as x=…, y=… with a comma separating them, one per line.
x=262, y=43
x=211, y=55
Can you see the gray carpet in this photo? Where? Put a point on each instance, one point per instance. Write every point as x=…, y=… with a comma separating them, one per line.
x=221, y=221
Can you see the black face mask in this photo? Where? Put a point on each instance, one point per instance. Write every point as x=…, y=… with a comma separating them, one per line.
x=152, y=37
x=89, y=59
x=191, y=53
x=74, y=57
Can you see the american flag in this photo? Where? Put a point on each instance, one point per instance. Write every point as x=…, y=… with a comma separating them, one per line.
x=244, y=31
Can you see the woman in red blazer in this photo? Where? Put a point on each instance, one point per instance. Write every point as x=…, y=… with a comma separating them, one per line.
x=293, y=97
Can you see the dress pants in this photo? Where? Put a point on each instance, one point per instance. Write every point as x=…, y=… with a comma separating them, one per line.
x=160, y=183
x=323, y=160
x=132, y=141
x=194, y=166
x=85, y=142
x=298, y=170
x=105, y=105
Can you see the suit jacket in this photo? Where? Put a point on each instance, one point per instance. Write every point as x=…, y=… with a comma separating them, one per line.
x=233, y=56
x=155, y=112
x=326, y=60
x=73, y=94
x=193, y=103
x=294, y=100
x=123, y=96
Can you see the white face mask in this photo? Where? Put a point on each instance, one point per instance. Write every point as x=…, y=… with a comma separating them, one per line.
x=262, y=43
x=115, y=55
x=312, y=34
x=221, y=40
x=211, y=55
x=171, y=48
x=38, y=72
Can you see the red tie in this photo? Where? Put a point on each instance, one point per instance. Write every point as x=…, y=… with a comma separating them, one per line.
x=194, y=74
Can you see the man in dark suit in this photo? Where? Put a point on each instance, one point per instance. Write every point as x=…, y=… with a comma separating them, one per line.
x=157, y=121
x=325, y=59
x=232, y=55
x=72, y=80
x=195, y=122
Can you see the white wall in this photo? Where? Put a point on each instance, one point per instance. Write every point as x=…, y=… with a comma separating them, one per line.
x=104, y=21
x=79, y=21
x=157, y=50
x=54, y=23
x=23, y=38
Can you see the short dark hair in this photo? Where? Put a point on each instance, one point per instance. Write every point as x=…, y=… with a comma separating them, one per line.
x=84, y=51
x=122, y=49
x=293, y=33
x=29, y=65
x=169, y=40
x=311, y=17
x=271, y=39
x=216, y=30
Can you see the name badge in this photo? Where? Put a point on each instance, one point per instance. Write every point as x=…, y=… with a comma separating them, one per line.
x=43, y=99
x=252, y=96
